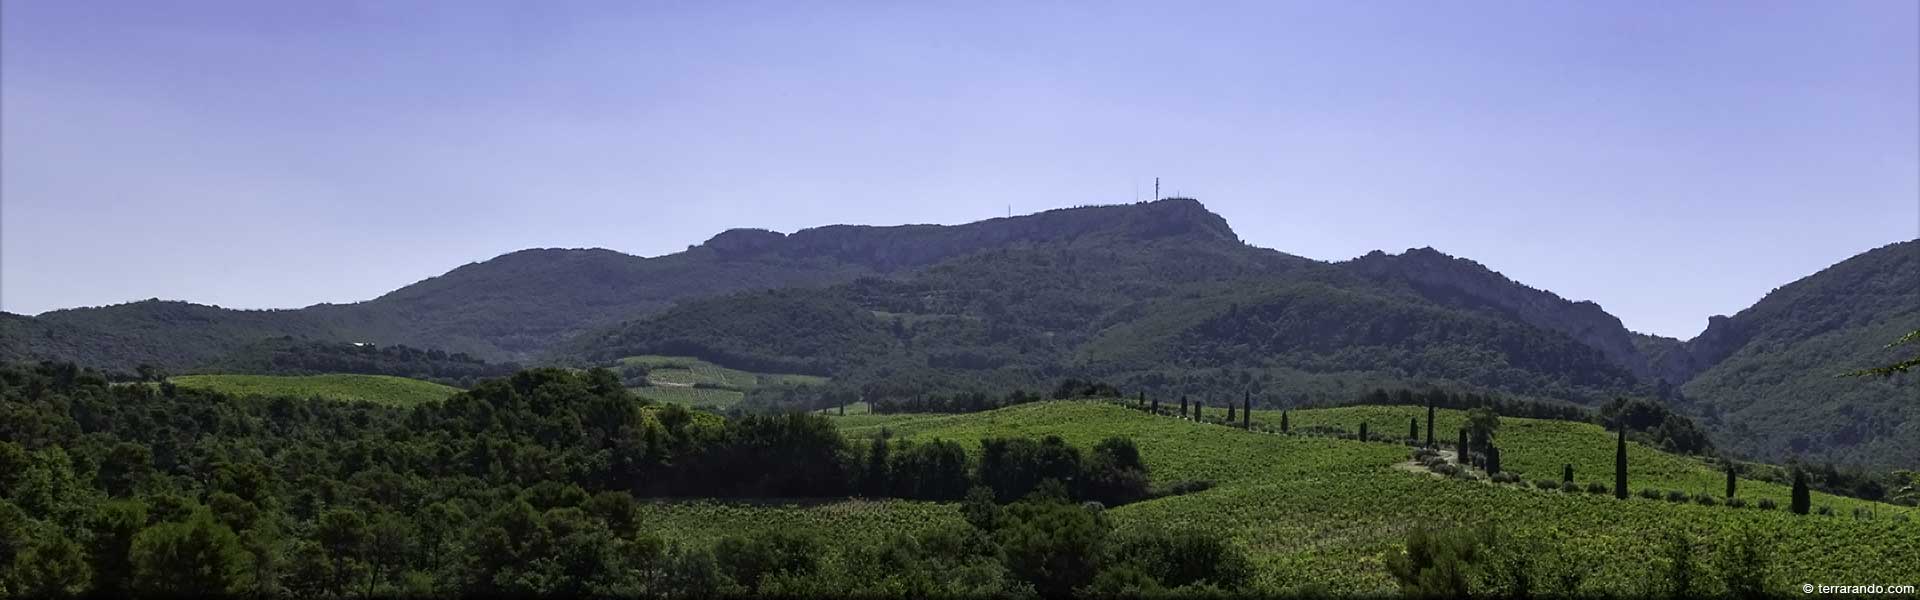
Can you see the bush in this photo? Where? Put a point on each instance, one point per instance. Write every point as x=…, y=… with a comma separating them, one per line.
x=1546, y=484
x=1824, y=511
x=1736, y=503
x=1705, y=499
x=1569, y=487
x=1506, y=478
x=1434, y=462
x=1598, y=488
x=1650, y=494
x=1676, y=496
x=1766, y=504
x=1445, y=469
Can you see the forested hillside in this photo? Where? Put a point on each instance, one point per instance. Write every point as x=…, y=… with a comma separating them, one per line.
x=1774, y=386
x=1161, y=296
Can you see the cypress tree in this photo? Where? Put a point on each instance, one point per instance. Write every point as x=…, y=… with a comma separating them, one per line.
x=1802, y=501
x=1230, y=414
x=1156, y=406
x=1283, y=421
x=843, y=408
x=1363, y=431
x=1493, y=459
x=1566, y=473
x=1620, y=464
x=1143, y=399
x=1429, y=424
x=1461, y=447
x=1199, y=410
x=1183, y=406
x=1413, y=429
x=1246, y=412
x=1730, y=479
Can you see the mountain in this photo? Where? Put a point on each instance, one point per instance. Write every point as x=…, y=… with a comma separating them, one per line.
x=1160, y=296
x=1769, y=377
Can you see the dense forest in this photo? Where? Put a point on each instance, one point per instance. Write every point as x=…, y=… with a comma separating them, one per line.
x=524, y=484
x=291, y=356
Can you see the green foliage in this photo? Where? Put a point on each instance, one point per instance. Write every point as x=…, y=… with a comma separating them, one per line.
x=353, y=388
x=199, y=557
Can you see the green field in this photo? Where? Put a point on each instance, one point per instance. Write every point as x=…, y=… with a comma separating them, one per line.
x=1319, y=510
x=698, y=383
x=381, y=389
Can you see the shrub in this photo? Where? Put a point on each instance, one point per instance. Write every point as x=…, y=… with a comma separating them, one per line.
x=1676, y=496
x=1506, y=478
x=1650, y=494
x=1861, y=513
x=1435, y=462
x=1597, y=488
x=1546, y=484
x=1824, y=511
x=1422, y=454
x=1705, y=499
x=1569, y=487
x=1766, y=504
x=1445, y=469
x=1736, y=503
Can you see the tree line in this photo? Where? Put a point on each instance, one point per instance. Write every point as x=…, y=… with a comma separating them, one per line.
x=524, y=484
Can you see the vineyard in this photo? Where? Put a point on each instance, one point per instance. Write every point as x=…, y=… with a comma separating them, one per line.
x=383, y=389
x=698, y=383
x=1326, y=511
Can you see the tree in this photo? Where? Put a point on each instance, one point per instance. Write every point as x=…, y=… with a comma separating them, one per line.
x=1199, y=410
x=390, y=541
x=874, y=482
x=1461, y=446
x=1802, y=499
x=1730, y=478
x=1052, y=544
x=1283, y=421
x=114, y=525
x=1363, y=431
x=343, y=534
x=1231, y=414
x=126, y=466
x=1413, y=429
x=1897, y=367
x=1156, y=406
x=200, y=557
x=1620, y=465
x=52, y=566
x=1493, y=459
x=1246, y=411
x=1566, y=473
x=1429, y=423
x=1483, y=423
x=1183, y=407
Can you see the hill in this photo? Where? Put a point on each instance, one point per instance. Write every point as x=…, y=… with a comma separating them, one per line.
x=1322, y=510
x=1770, y=388
x=381, y=389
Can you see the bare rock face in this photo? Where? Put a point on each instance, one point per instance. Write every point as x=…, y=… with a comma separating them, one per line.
x=1462, y=282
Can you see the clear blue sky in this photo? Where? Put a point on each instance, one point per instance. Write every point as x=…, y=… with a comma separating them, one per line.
x=1668, y=160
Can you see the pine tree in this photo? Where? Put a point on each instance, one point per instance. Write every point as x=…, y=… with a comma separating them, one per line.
x=1283, y=421
x=1566, y=473
x=1620, y=464
x=1802, y=500
x=1730, y=479
x=1429, y=424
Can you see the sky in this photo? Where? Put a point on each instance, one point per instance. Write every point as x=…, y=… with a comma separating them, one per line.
x=1670, y=161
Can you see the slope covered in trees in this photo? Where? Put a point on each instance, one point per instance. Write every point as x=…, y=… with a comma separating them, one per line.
x=1774, y=388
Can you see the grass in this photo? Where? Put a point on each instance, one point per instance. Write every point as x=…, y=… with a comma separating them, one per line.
x=381, y=389
x=701, y=384
x=713, y=398
x=1325, y=512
